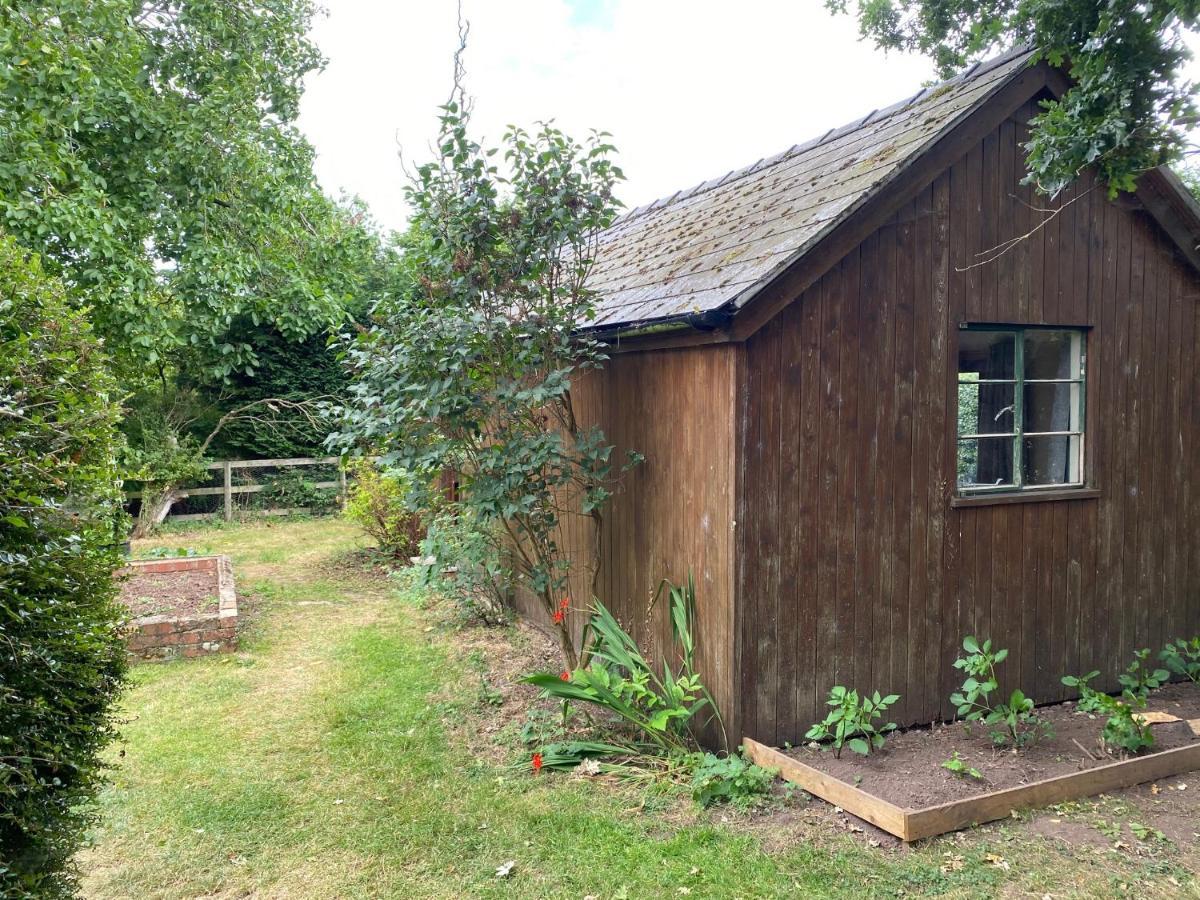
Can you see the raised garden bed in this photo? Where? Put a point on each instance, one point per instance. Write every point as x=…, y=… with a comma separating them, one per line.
x=181, y=607
x=904, y=789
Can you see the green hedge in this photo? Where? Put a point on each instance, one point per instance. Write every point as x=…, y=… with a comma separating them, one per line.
x=62, y=658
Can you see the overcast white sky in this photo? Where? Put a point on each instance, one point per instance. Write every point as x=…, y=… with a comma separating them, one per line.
x=689, y=88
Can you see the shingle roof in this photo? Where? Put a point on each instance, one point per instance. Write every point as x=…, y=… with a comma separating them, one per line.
x=714, y=245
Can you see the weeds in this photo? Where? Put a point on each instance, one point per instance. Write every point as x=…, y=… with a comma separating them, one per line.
x=730, y=779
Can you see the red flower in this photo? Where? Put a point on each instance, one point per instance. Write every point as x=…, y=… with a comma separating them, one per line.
x=537, y=762
x=565, y=676
x=564, y=603
x=558, y=617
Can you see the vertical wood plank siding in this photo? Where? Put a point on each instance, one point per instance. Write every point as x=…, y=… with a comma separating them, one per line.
x=673, y=513
x=854, y=567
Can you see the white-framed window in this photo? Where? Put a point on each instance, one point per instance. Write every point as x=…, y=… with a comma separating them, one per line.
x=1020, y=408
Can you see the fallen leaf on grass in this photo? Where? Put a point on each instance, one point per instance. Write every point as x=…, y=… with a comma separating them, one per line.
x=998, y=862
x=954, y=863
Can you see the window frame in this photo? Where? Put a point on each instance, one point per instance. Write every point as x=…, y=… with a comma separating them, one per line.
x=1018, y=489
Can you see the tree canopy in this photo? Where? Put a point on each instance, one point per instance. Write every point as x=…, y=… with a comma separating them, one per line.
x=1129, y=106
x=148, y=152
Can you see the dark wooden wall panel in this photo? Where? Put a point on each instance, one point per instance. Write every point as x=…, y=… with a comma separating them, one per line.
x=854, y=566
x=674, y=512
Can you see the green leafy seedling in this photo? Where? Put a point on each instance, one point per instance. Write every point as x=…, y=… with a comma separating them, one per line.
x=1011, y=722
x=958, y=766
x=851, y=721
x=1183, y=658
x=1139, y=678
x=1145, y=832
x=1122, y=730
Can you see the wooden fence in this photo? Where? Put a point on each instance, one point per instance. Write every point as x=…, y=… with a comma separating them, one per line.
x=227, y=489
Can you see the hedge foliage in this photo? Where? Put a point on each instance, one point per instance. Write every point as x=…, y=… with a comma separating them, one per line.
x=62, y=658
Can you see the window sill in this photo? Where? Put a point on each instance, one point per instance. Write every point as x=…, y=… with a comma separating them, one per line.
x=1024, y=497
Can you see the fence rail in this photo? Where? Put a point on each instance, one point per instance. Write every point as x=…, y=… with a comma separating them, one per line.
x=228, y=490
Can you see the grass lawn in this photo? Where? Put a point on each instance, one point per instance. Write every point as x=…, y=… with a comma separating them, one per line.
x=329, y=758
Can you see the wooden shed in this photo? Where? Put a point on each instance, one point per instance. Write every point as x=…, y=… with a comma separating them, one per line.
x=888, y=396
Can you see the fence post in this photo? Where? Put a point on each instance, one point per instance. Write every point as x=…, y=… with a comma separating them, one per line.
x=342, y=484
x=227, y=471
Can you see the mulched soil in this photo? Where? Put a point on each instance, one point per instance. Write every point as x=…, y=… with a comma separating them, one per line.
x=180, y=594
x=908, y=771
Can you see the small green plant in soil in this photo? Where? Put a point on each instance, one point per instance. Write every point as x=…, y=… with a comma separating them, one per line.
x=1139, y=678
x=1121, y=730
x=1146, y=833
x=1088, y=702
x=958, y=766
x=543, y=726
x=1012, y=722
x=730, y=779
x=1183, y=658
x=851, y=721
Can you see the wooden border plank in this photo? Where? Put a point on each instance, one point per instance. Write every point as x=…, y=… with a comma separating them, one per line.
x=958, y=814
x=915, y=824
x=881, y=813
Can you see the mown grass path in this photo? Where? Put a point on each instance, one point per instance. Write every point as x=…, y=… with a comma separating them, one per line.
x=319, y=761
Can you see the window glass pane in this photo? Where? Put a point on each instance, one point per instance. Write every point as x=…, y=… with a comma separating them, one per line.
x=1052, y=354
x=1050, y=460
x=1050, y=407
x=985, y=408
x=987, y=354
x=985, y=462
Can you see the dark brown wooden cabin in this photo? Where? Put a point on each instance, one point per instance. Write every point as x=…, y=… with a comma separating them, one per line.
x=804, y=350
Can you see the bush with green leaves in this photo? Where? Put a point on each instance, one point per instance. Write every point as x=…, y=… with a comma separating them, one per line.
x=651, y=715
x=459, y=560
x=729, y=779
x=63, y=655
x=293, y=489
x=379, y=505
x=1139, y=678
x=851, y=721
x=471, y=368
x=1012, y=722
x=1183, y=658
x=1121, y=729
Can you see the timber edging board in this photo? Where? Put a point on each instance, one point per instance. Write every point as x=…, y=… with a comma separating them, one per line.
x=914, y=824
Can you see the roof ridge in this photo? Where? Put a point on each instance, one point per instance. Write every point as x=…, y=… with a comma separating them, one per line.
x=973, y=71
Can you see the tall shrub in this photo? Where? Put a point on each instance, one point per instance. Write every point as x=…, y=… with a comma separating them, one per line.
x=472, y=368
x=61, y=656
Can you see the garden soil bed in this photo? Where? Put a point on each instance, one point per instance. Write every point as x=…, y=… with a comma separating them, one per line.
x=180, y=607
x=905, y=790
x=908, y=771
x=185, y=593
